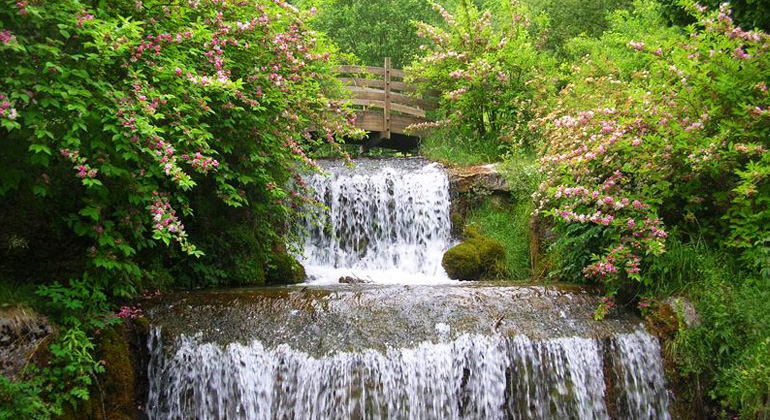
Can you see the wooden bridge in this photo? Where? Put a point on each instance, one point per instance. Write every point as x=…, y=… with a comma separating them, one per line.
x=382, y=100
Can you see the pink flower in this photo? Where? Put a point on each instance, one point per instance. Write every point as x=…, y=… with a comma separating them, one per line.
x=740, y=54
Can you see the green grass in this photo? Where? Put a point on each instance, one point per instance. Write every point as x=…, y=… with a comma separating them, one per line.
x=13, y=294
x=455, y=149
x=510, y=226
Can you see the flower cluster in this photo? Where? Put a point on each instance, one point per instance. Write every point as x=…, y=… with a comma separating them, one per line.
x=83, y=169
x=6, y=37
x=6, y=110
x=627, y=156
x=129, y=312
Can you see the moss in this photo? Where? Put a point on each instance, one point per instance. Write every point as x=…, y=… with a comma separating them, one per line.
x=477, y=258
x=112, y=393
x=285, y=269
x=117, y=383
x=462, y=262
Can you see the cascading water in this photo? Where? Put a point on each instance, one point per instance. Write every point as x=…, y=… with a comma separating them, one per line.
x=415, y=351
x=385, y=222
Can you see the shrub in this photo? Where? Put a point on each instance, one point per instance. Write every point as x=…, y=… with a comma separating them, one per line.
x=481, y=72
x=153, y=118
x=674, y=136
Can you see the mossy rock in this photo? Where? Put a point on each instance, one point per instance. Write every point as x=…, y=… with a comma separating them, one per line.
x=477, y=258
x=112, y=397
x=285, y=269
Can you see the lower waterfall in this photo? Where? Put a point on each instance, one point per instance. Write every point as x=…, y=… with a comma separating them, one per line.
x=398, y=349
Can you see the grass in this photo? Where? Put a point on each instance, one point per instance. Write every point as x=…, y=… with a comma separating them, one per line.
x=18, y=295
x=510, y=226
x=454, y=149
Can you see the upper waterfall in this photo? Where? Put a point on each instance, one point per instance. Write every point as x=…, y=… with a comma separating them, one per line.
x=386, y=221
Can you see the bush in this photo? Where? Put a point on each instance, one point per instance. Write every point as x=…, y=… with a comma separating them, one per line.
x=481, y=72
x=666, y=135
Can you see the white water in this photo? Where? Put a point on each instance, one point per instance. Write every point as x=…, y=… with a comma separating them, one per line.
x=473, y=377
x=387, y=222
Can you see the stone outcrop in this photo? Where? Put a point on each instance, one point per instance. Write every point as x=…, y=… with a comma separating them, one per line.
x=466, y=179
x=21, y=333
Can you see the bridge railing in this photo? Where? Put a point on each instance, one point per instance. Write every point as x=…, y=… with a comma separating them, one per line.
x=383, y=100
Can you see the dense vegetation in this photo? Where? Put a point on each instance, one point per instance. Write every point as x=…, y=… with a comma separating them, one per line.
x=154, y=144
x=145, y=144
x=652, y=143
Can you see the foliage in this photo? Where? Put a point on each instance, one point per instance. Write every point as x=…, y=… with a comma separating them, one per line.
x=138, y=136
x=483, y=74
x=155, y=117
x=667, y=131
x=748, y=14
x=445, y=144
x=727, y=352
x=373, y=29
x=23, y=400
x=567, y=19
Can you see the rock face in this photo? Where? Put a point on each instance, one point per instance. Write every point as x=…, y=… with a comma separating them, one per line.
x=20, y=334
x=469, y=186
x=477, y=258
x=466, y=179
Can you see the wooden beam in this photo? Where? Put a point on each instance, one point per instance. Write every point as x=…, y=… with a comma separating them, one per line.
x=377, y=71
x=379, y=95
x=387, y=98
x=372, y=121
x=417, y=112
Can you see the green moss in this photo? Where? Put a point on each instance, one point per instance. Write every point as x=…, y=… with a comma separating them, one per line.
x=116, y=385
x=462, y=262
x=285, y=269
x=477, y=258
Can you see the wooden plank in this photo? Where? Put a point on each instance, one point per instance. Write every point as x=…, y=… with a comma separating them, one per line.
x=400, y=122
x=377, y=71
x=372, y=121
x=377, y=83
x=417, y=112
x=361, y=82
x=369, y=120
x=413, y=101
x=387, y=97
x=367, y=93
x=379, y=95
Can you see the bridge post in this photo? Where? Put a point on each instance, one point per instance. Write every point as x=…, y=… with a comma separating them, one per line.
x=386, y=133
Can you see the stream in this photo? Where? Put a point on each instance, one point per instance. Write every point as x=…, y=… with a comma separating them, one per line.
x=410, y=344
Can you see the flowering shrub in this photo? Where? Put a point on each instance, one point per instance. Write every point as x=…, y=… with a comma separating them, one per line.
x=674, y=135
x=482, y=73
x=162, y=108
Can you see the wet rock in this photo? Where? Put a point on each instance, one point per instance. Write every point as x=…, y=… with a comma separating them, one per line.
x=353, y=280
x=477, y=258
x=465, y=179
x=685, y=308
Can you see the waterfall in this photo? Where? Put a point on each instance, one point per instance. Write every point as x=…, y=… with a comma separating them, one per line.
x=387, y=221
x=421, y=347
x=473, y=377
